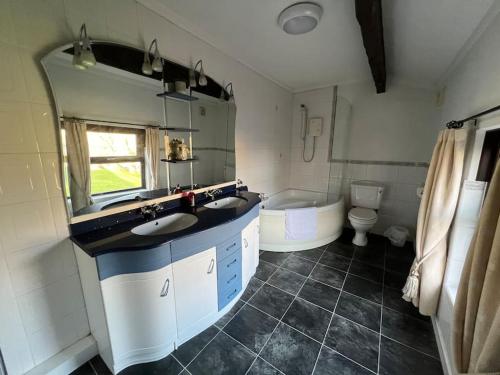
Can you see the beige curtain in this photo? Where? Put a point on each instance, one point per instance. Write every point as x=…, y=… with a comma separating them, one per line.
x=78, y=163
x=476, y=325
x=152, y=157
x=435, y=215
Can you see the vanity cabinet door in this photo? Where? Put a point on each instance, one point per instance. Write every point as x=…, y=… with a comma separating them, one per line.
x=256, y=241
x=140, y=313
x=248, y=253
x=195, y=291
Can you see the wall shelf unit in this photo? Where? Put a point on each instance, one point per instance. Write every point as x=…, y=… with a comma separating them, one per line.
x=177, y=96
x=179, y=130
x=174, y=161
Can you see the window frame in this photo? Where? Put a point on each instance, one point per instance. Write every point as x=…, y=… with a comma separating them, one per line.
x=140, y=151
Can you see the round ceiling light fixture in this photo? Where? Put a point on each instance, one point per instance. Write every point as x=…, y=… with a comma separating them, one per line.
x=300, y=18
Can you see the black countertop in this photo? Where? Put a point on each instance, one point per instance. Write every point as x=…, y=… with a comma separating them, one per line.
x=120, y=238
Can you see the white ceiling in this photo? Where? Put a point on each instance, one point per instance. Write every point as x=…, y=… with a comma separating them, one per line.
x=422, y=38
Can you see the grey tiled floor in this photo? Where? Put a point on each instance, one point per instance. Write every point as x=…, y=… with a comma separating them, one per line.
x=331, y=310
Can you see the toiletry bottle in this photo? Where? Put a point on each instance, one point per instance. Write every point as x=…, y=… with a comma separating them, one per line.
x=178, y=189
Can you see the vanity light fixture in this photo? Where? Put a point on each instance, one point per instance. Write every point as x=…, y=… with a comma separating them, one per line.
x=157, y=66
x=202, y=81
x=229, y=87
x=300, y=18
x=83, y=57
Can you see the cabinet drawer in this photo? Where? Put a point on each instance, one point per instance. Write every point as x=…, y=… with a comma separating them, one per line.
x=229, y=246
x=229, y=266
x=228, y=281
x=228, y=295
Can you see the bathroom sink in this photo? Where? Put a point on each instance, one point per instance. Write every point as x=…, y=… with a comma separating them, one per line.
x=165, y=225
x=124, y=202
x=228, y=202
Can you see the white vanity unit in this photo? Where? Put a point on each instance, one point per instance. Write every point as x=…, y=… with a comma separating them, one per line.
x=142, y=304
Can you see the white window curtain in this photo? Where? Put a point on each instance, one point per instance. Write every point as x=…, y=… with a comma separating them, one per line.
x=78, y=163
x=436, y=212
x=152, y=157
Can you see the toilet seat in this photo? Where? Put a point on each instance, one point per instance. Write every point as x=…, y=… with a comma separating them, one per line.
x=363, y=214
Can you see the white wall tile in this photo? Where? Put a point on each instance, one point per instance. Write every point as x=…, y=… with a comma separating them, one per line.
x=385, y=173
x=89, y=12
x=12, y=84
x=6, y=26
x=36, y=83
x=356, y=171
x=38, y=266
x=52, y=171
x=411, y=175
x=16, y=127
x=21, y=178
x=45, y=127
x=26, y=224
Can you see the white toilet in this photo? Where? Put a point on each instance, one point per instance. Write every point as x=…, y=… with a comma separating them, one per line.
x=365, y=199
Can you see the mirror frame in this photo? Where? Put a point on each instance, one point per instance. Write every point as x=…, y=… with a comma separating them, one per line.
x=134, y=59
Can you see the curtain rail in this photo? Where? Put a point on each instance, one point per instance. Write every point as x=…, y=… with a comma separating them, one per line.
x=460, y=123
x=107, y=121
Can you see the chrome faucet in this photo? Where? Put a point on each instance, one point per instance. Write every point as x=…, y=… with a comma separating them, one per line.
x=150, y=212
x=213, y=193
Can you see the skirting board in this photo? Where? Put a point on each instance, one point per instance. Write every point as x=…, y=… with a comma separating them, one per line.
x=69, y=359
x=443, y=352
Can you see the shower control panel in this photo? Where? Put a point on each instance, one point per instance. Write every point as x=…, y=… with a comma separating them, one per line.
x=315, y=127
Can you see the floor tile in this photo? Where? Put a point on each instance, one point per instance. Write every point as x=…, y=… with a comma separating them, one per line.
x=394, y=280
x=85, y=369
x=363, y=288
x=312, y=254
x=251, y=327
x=396, y=359
x=366, y=271
x=372, y=256
x=328, y=275
x=334, y=260
x=274, y=257
x=190, y=349
x=290, y=351
x=271, y=300
x=253, y=285
x=406, y=252
x=410, y=331
x=339, y=248
x=354, y=341
x=264, y=270
x=99, y=366
x=320, y=294
x=330, y=363
x=393, y=299
x=299, y=265
x=359, y=310
x=398, y=265
x=222, y=356
x=308, y=319
x=261, y=367
x=167, y=365
x=229, y=315
x=288, y=281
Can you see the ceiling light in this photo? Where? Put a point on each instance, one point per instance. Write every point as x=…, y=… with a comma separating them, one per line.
x=300, y=18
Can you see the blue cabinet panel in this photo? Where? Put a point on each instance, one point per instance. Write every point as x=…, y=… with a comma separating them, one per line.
x=229, y=277
x=228, y=247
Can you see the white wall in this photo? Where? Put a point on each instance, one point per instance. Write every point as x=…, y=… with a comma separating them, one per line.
x=42, y=306
x=473, y=86
x=375, y=131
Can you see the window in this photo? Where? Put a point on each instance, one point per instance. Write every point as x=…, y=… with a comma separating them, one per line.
x=116, y=158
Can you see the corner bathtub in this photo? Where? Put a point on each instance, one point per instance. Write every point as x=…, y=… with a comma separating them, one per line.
x=272, y=219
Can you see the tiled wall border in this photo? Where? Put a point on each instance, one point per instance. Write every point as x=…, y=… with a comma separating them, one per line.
x=383, y=162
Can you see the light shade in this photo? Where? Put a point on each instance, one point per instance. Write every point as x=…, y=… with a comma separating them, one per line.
x=300, y=18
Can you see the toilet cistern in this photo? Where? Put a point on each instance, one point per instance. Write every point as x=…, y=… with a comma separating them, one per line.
x=365, y=200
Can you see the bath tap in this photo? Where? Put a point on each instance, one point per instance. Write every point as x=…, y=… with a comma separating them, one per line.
x=213, y=193
x=150, y=212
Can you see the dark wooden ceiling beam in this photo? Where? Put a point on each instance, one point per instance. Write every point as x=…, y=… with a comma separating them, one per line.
x=369, y=15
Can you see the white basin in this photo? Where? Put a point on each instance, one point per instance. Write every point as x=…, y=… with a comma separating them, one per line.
x=228, y=202
x=165, y=225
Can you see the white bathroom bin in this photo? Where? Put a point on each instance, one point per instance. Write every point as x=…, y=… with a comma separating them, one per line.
x=397, y=235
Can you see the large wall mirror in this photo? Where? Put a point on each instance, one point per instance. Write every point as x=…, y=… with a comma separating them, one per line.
x=127, y=136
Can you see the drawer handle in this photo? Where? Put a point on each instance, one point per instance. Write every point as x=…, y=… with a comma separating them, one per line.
x=211, y=266
x=164, y=290
x=231, y=246
x=245, y=242
x=232, y=294
x=233, y=262
x=232, y=278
